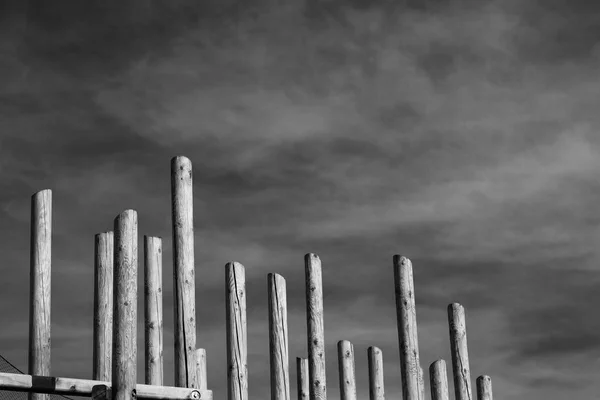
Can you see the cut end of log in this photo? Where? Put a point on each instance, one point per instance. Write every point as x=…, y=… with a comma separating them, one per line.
x=400, y=260
x=311, y=256
x=373, y=350
x=237, y=267
x=455, y=309
x=46, y=194
x=181, y=162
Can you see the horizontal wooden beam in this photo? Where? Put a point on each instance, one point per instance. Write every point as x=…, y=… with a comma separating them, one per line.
x=83, y=387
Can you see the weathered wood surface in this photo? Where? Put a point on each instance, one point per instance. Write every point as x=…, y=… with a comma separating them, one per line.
x=103, y=305
x=153, y=311
x=376, y=375
x=83, y=387
x=278, y=338
x=407, y=329
x=236, y=331
x=438, y=380
x=201, y=370
x=302, y=383
x=484, y=388
x=347, y=372
x=459, y=351
x=183, y=275
x=39, y=290
x=315, y=327
x=124, y=368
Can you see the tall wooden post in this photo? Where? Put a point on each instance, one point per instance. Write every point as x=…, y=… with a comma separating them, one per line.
x=484, y=388
x=124, y=368
x=278, y=338
x=375, y=363
x=201, y=370
x=407, y=329
x=302, y=384
x=39, y=290
x=439, y=380
x=315, y=327
x=346, y=370
x=153, y=310
x=236, y=331
x=183, y=275
x=103, y=305
x=460, y=355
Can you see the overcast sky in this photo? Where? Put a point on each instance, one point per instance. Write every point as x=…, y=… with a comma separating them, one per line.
x=462, y=134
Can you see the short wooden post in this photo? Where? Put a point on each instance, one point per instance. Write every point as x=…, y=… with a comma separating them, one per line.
x=39, y=289
x=302, y=384
x=346, y=370
x=201, y=369
x=439, y=380
x=183, y=277
x=484, y=388
x=375, y=363
x=153, y=310
x=278, y=338
x=315, y=327
x=407, y=328
x=458, y=349
x=103, y=305
x=236, y=332
x=124, y=368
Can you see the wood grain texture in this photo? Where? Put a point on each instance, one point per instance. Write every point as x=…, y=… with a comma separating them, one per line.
x=421, y=382
x=124, y=368
x=407, y=329
x=201, y=369
x=315, y=327
x=278, y=338
x=184, y=292
x=103, y=305
x=153, y=311
x=347, y=372
x=484, y=388
x=438, y=379
x=302, y=382
x=375, y=365
x=40, y=283
x=236, y=331
x=460, y=355
x=84, y=387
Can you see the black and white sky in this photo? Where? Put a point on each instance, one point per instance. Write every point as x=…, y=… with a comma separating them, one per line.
x=462, y=134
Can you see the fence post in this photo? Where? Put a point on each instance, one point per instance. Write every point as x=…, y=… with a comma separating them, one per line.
x=236, y=331
x=346, y=370
x=302, y=384
x=153, y=311
x=407, y=328
x=375, y=363
x=314, y=324
x=124, y=368
x=484, y=388
x=439, y=380
x=183, y=276
x=278, y=338
x=103, y=305
x=460, y=355
x=39, y=290
x=201, y=369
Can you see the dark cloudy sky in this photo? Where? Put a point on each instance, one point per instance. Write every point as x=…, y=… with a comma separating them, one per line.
x=462, y=134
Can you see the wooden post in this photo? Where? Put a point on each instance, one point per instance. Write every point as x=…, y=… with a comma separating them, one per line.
x=460, y=355
x=439, y=380
x=237, y=351
x=302, y=384
x=153, y=310
x=278, y=338
x=183, y=274
x=103, y=305
x=315, y=328
x=201, y=369
x=375, y=363
x=407, y=328
x=484, y=388
x=421, y=382
x=124, y=368
x=39, y=290
x=346, y=370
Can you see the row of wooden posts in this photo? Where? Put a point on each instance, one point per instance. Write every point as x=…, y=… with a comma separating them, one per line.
x=115, y=322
